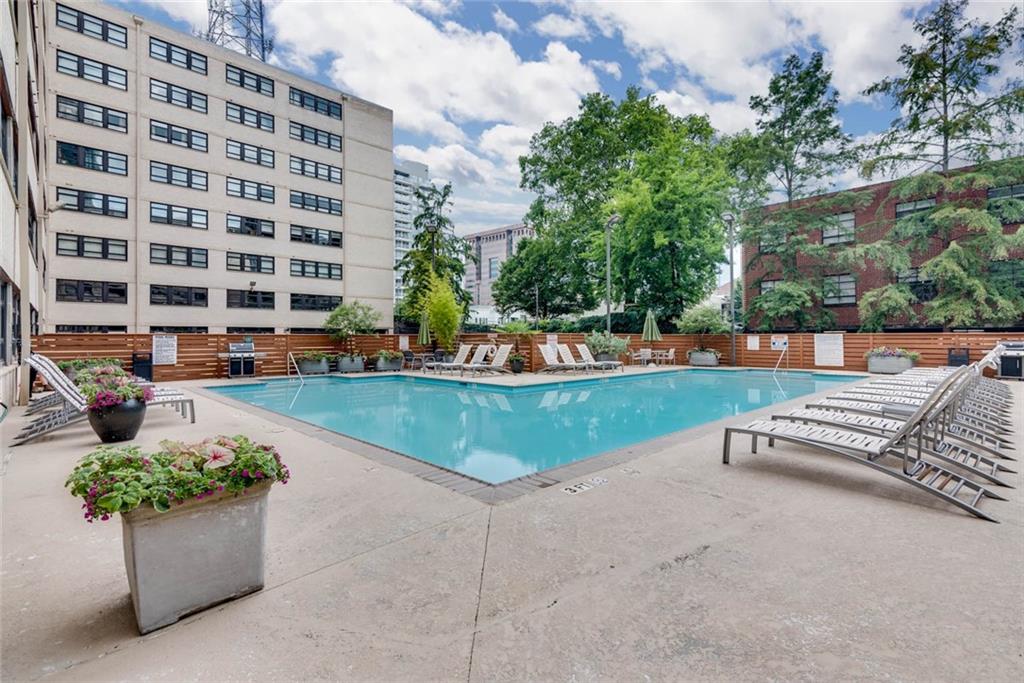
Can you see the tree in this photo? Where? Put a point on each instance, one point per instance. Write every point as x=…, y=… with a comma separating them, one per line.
x=786, y=301
x=701, y=320
x=443, y=311
x=349, y=319
x=882, y=305
x=541, y=281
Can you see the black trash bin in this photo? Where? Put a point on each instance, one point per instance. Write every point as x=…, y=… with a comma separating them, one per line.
x=142, y=365
x=958, y=357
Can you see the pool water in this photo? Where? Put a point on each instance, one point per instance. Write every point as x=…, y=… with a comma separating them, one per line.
x=499, y=433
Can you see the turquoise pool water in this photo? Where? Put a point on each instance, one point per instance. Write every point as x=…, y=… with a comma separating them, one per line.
x=500, y=433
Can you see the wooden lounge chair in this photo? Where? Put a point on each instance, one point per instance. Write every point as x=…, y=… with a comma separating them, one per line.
x=589, y=359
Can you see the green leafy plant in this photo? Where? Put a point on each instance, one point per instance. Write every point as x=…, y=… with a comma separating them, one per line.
x=444, y=313
x=83, y=363
x=702, y=320
x=355, y=355
x=602, y=342
x=516, y=358
x=388, y=355
x=314, y=356
x=107, y=391
x=516, y=327
x=120, y=479
x=892, y=352
x=351, y=319
x=96, y=373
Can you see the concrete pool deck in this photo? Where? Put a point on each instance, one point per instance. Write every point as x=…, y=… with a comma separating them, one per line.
x=784, y=565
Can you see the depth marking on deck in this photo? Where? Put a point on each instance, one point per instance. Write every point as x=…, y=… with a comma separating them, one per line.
x=584, y=486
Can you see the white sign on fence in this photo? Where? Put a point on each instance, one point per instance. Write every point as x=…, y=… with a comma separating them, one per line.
x=828, y=350
x=753, y=342
x=780, y=342
x=552, y=340
x=165, y=349
x=403, y=342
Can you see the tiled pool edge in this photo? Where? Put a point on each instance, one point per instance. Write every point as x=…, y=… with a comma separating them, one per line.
x=494, y=494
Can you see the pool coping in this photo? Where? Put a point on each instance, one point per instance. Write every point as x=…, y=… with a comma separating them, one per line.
x=494, y=494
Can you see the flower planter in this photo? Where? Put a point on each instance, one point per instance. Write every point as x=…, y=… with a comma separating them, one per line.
x=198, y=554
x=703, y=358
x=118, y=423
x=516, y=366
x=346, y=364
x=389, y=365
x=313, y=367
x=889, y=365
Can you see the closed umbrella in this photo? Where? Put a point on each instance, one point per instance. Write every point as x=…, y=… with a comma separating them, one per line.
x=651, y=332
x=424, y=336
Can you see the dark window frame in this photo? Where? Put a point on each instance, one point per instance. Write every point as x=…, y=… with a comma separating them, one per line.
x=314, y=136
x=320, y=270
x=165, y=51
x=245, y=298
x=190, y=215
x=249, y=153
x=192, y=176
x=250, y=189
x=179, y=295
x=249, y=117
x=107, y=293
x=314, y=103
x=310, y=168
x=118, y=36
x=83, y=156
x=318, y=236
x=314, y=302
x=179, y=136
x=80, y=202
x=191, y=255
x=309, y=201
x=192, y=100
x=249, y=225
x=839, y=298
x=80, y=241
x=242, y=262
x=109, y=75
x=249, y=80
x=109, y=119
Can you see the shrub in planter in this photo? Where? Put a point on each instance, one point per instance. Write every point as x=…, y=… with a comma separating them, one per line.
x=97, y=373
x=351, y=362
x=116, y=406
x=71, y=368
x=702, y=320
x=193, y=518
x=606, y=346
x=389, y=360
x=889, y=360
x=314, y=363
x=516, y=362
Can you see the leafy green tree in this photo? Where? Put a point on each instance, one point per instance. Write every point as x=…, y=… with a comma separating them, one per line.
x=443, y=311
x=883, y=305
x=701, y=320
x=542, y=281
x=788, y=300
x=349, y=319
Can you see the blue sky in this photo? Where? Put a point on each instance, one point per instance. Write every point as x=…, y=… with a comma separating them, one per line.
x=469, y=82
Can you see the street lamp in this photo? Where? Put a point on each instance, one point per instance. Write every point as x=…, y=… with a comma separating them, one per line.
x=612, y=220
x=730, y=219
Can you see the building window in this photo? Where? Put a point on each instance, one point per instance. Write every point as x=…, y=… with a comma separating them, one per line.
x=93, y=202
x=922, y=288
x=249, y=153
x=92, y=291
x=91, y=26
x=183, y=216
x=33, y=229
x=159, y=172
x=177, y=135
x=320, y=105
x=772, y=239
x=839, y=290
x=908, y=208
x=315, y=202
x=1008, y=274
x=178, y=329
x=250, y=263
x=996, y=197
x=177, y=295
x=1007, y=191
x=91, y=70
x=178, y=56
x=9, y=138
x=247, y=225
x=768, y=285
x=314, y=136
x=249, y=117
x=91, y=329
x=243, y=298
x=326, y=238
x=317, y=269
x=91, y=114
x=249, y=80
x=177, y=95
x=492, y=267
x=92, y=247
x=315, y=169
x=94, y=159
x=250, y=189
x=840, y=231
x=170, y=255
x=315, y=302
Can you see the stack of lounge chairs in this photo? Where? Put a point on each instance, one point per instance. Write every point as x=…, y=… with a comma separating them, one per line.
x=478, y=363
x=559, y=358
x=944, y=430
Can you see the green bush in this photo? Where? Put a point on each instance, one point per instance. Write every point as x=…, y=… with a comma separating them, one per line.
x=444, y=313
x=701, y=320
x=349, y=319
x=602, y=342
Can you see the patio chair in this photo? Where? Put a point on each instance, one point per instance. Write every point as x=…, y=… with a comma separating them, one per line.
x=670, y=359
x=551, y=362
x=439, y=364
x=497, y=363
x=410, y=360
x=641, y=355
x=565, y=355
x=589, y=359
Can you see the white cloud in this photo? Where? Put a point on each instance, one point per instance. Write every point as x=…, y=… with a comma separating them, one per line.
x=507, y=143
x=504, y=22
x=437, y=8
x=613, y=69
x=193, y=12
x=561, y=26
x=728, y=116
x=451, y=163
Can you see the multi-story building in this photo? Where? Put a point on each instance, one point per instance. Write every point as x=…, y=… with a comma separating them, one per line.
x=491, y=248
x=195, y=189
x=409, y=176
x=22, y=194
x=868, y=224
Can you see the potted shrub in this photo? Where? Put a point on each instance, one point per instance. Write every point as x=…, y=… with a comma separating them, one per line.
x=606, y=346
x=116, y=405
x=351, y=362
x=71, y=368
x=890, y=360
x=193, y=519
x=702, y=320
x=313, y=363
x=388, y=360
x=516, y=362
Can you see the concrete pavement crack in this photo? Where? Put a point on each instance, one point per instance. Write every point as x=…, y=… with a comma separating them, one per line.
x=479, y=593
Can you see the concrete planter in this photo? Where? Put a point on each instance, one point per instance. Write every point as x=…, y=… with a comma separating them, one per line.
x=606, y=356
x=313, y=367
x=703, y=358
x=346, y=364
x=389, y=365
x=199, y=554
x=889, y=365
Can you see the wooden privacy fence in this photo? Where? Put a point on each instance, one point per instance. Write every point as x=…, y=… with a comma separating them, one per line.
x=198, y=353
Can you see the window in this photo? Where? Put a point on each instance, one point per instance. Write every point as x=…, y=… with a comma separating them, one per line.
x=246, y=225
x=318, y=269
x=178, y=329
x=178, y=295
x=88, y=25
x=177, y=135
x=840, y=231
x=92, y=291
x=250, y=81
x=178, y=56
x=250, y=153
x=93, y=202
x=326, y=238
x=33, y=229
x=159, y=172
x=314, y=136
x=315, y=202
x=320, y=105
x=997, y=197
x=492, y=267
x=315, y=302
x=250, y=189
x=1007, y=191
x=170, y=255
x=91, y=114
x=772, y=239
x=177, y=95
x=315, y=169
x=908, y=208
x=242, y=298
x=92, y=247
x=922, y=288
x=183, y=216
x=1008, y=275
x=839, y=290
x=251, y=330
x=768, y=285
x=91, y=70
x=250, y=263
x=3, y=322
x=91, y=329
x=249, y=117
x=9, y=137
x=94, y=159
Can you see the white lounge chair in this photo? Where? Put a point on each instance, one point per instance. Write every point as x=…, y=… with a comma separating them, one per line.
x=589, y=359
x=459, y=360
x=551, y=362
x=565, y=355
x=497, y=363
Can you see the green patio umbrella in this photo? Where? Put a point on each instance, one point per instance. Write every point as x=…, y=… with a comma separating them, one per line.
x=424, y=336
x=651, y=332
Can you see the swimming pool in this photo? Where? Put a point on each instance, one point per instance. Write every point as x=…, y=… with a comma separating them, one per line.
x=497, y=433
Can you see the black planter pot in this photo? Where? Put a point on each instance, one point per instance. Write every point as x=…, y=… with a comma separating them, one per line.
x=118, y=423
x=516, y=365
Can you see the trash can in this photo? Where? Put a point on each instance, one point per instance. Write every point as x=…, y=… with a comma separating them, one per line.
x=958, y=357
x=142, y=365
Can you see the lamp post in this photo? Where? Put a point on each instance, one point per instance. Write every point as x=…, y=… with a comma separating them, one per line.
x=730, y=219
x=612, y=220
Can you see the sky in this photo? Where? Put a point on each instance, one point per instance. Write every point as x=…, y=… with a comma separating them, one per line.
x=469, y=82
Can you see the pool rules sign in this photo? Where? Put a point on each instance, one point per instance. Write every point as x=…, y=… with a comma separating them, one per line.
x=165, y=349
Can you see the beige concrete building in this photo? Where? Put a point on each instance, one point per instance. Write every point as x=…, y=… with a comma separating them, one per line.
x=491, y=248
x=200, y=190
x=409, y=177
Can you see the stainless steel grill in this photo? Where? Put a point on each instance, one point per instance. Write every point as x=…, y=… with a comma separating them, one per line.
x=241, y=359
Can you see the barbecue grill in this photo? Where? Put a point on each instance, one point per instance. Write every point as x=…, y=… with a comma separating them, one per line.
x=241, y=358
x=1011, y=360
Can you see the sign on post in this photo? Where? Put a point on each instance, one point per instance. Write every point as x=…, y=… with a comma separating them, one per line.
x=780, y=342
x=165, y=349
x=403, y=342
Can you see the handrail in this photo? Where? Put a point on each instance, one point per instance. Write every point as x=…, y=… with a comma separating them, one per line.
x=785, y=349
x=291, y=362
